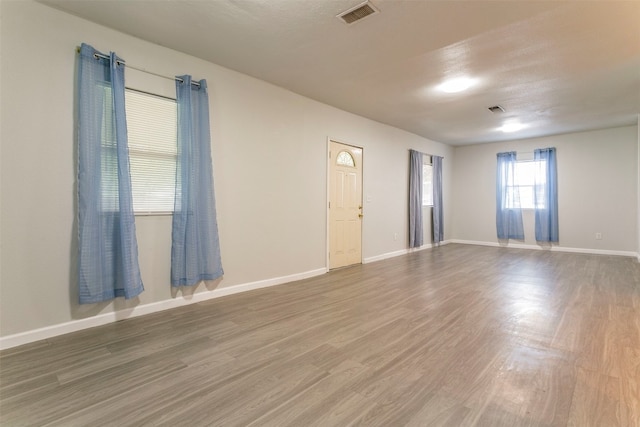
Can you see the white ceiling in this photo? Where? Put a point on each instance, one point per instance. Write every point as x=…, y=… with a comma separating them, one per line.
x=555, y=66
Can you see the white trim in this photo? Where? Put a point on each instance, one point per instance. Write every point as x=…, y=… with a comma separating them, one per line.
x=327, y=249
x=385, y=256
x=403, y=252
x=10, y=341
x=551, y=248
x=15, y=340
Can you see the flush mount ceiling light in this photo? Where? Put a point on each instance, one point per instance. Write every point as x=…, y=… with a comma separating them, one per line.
x=512, y=126
x=457, y=85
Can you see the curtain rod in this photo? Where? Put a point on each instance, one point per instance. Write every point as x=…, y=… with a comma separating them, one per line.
x=426, y=154
x=122, y=62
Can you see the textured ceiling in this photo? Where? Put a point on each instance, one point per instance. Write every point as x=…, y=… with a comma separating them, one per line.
x=555, y=66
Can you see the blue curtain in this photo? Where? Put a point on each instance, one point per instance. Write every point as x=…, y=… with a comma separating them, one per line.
x=438, y=217
x=508, y=212
x=415, y=199
x=195, y=250
x=546, y=195
x=107, y=249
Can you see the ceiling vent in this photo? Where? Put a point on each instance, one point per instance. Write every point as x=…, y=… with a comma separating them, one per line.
x=496, y=109
x=358, y=12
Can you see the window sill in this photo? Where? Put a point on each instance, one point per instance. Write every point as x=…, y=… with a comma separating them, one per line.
x=153, y=213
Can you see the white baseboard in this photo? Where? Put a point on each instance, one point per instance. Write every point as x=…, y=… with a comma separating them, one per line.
x=15, y=340
x=551, y=248
x=385, y=256
x=402, y=252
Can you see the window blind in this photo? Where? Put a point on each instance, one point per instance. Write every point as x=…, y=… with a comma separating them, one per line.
x=427, y=183
x=152, y=130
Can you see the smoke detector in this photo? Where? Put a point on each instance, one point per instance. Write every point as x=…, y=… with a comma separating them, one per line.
x=358, y=12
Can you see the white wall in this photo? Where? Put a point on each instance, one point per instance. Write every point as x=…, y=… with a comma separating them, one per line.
x=597, y=189
x=269, y=150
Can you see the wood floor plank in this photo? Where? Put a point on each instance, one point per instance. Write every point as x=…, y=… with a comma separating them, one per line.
x=596, y=401
x=457, y=335
x=306, y=407
x=439, y=411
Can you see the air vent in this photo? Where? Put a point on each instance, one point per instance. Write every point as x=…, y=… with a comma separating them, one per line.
x=496, y=109
x=357, y=13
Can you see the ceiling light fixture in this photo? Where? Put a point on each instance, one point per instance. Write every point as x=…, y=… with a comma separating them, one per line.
x=512, y=126
x=457, y=85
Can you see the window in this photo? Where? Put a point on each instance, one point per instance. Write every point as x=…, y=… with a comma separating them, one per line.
x=427, y=182
x=345, y=159
x=152, y=130
x=109, y=155
x=525, y=177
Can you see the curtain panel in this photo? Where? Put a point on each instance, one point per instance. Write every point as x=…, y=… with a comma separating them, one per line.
x=508, y=211
x=438, y=217
x=415, y=199
x=546, y=195
x=195, y=249
x=107, y=246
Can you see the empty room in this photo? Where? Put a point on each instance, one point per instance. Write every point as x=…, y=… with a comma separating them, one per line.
x=319, y=213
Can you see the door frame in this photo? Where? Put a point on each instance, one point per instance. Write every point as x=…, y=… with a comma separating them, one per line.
x=328, y=198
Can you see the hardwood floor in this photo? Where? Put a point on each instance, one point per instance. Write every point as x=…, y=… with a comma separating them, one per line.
x=452, y=336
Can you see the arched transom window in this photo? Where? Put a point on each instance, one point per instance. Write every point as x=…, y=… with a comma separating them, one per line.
x=345, y=159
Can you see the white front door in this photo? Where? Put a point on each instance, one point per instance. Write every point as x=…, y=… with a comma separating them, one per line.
x=345, y=205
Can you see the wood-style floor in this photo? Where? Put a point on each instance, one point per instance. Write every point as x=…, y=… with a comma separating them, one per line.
x=452, y=336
